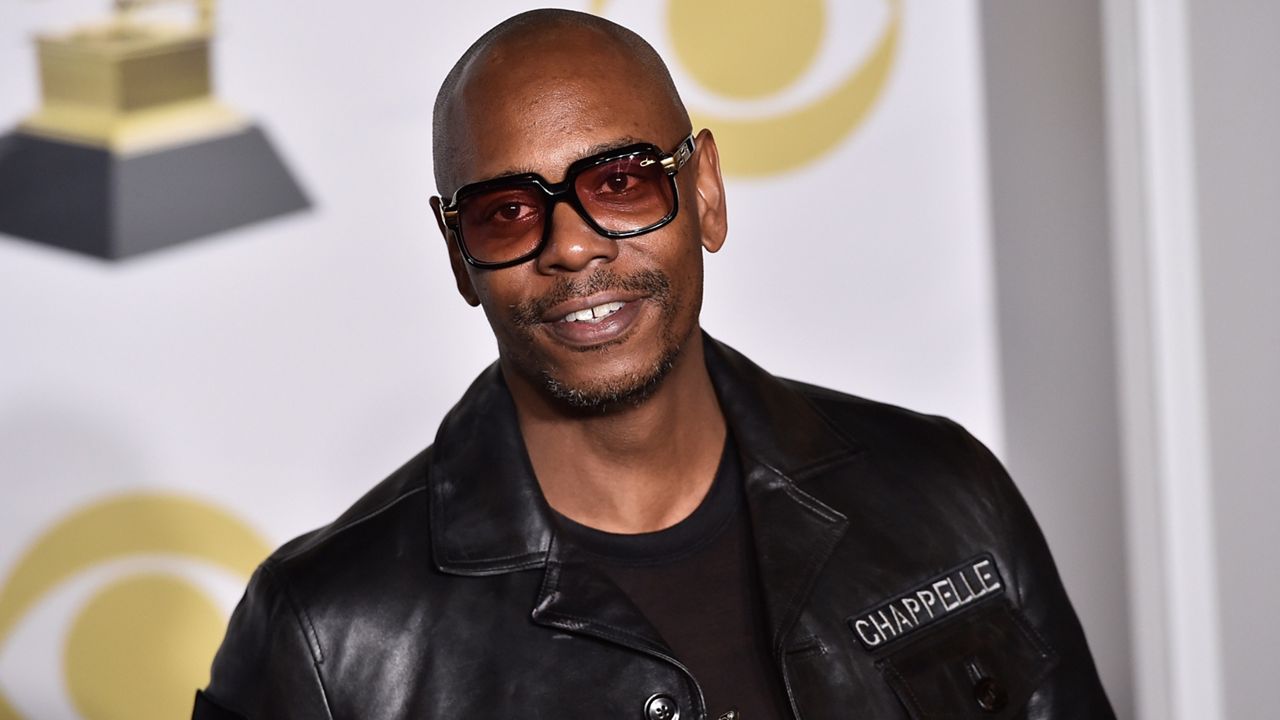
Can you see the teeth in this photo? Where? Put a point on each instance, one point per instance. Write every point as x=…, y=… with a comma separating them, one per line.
x=606, y=309
x=595, y=313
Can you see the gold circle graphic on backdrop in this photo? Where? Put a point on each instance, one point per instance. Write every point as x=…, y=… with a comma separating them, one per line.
x=759, y=47
x=142, y=644
x=783, y=39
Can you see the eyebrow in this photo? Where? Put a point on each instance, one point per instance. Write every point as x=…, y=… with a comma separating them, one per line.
x=614, y=144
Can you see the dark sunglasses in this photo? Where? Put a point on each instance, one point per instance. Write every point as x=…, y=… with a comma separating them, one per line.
x=618, y=193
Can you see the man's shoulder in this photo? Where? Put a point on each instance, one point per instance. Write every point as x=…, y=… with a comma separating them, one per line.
x=885, y=428
x=895, y=453
x=806, y=425
x=379, y=539
x=307, y=593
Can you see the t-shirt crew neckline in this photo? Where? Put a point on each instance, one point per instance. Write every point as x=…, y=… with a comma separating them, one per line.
x=702, y=526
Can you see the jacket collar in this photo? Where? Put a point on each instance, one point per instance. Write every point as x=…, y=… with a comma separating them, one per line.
x=775, y=425
x=488, y=514
x=784, y=440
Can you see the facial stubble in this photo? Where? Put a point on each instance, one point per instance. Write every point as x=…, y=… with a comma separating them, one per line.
x=629, y=389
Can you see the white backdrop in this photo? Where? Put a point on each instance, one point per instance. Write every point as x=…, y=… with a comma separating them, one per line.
x=275, y=372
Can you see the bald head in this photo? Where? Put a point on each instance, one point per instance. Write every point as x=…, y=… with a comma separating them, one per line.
x=580, y=56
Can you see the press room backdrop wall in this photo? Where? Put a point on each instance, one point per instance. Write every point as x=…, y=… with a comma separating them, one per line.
x=167, y=419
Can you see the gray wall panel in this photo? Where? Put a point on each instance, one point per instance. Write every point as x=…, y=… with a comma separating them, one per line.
x=1048, y=169
x=1235, y=50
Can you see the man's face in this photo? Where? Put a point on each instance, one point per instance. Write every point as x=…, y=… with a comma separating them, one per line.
x=538, y=110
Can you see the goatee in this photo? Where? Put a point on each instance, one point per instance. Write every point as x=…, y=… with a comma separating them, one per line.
x=625, y=391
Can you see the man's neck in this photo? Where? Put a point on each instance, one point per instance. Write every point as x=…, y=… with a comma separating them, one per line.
x=634, y=468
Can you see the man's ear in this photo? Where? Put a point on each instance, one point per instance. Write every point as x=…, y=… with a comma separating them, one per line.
x=456, y=261
x=712, y=216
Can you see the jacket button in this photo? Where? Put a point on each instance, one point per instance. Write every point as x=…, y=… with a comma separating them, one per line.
x=661, y=707
x=991, y=695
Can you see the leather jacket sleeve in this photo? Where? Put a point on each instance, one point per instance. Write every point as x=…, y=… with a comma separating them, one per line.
x=267, y=665
x=1072, y=689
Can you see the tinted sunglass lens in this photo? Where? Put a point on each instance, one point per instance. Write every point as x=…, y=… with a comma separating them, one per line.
x=626, y=194
x=502, y=224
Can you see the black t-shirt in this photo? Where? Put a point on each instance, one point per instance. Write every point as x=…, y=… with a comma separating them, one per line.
x=696, y=581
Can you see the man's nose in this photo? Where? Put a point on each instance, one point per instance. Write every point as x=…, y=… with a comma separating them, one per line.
x=572, y=245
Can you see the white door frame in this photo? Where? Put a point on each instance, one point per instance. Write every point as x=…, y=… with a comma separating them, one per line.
x=1173, y=587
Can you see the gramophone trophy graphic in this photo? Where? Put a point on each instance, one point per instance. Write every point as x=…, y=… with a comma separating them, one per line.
x=130, y=151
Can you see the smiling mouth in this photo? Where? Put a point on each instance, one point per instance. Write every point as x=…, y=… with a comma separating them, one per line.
x=593, y=310
x=594, y=314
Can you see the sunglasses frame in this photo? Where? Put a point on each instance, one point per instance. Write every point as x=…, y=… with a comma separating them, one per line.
x=563, y=192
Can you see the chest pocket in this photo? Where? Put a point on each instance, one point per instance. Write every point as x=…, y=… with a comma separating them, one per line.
x=985, y=665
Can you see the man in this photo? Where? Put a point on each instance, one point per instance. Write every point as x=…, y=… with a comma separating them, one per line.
x=623, y=518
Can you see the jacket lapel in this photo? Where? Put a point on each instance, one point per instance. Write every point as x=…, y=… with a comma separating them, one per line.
x=488, y=514
x=578, y=598
x=784, y=441
x=794, y=536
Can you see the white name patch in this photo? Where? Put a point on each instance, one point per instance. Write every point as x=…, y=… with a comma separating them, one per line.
x=931, y=601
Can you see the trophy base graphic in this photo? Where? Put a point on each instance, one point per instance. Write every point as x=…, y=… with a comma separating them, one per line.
x=130, y=151
x=111, y=205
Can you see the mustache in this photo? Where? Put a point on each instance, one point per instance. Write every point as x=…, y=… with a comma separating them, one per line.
x=654, y=283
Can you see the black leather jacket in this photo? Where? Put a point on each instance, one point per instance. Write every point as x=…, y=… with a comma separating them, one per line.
x=446, y=593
